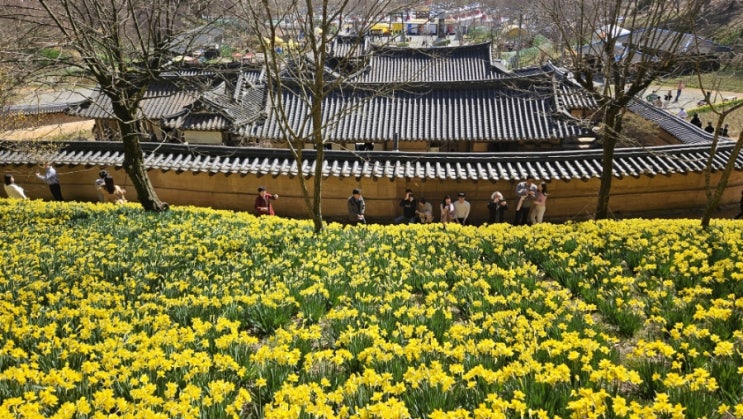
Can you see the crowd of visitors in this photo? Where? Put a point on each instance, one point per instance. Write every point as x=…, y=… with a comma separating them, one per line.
x=530, y=208
x=106, y=189
x=530, y=204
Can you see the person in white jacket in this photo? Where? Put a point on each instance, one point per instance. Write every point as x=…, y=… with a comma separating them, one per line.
x=12, y=189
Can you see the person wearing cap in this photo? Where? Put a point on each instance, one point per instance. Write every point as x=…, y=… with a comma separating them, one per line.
x=356, y=208
x=263, y=202
x=461, y=209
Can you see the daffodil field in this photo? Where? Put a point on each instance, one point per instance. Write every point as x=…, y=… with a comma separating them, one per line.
x=107, y=311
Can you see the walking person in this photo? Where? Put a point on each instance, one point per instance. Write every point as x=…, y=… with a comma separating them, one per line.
x=539, y=205
x=679, y=87
x=12, y=189
x=356, y=208
x=263, y=202
x=740, y=214
x=50, y=178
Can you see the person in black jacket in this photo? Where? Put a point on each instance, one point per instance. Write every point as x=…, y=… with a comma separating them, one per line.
x=696, y=121
x=409, y=205
x=497, y=208
x=356, y=208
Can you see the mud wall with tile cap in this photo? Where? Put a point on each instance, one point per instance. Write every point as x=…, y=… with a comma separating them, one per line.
x=641, y=196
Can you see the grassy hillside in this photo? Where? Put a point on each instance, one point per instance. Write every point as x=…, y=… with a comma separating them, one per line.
x=202, y=313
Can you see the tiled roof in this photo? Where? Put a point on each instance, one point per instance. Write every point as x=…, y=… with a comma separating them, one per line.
x=162, y=99
x=684, y=131
x=250, y=76
x=199, y=122
x=345, y=47
x=34, y=109
x=429, y=65
x=565, y=165
x=666, y=40
x=217, y=111
x=477, y=111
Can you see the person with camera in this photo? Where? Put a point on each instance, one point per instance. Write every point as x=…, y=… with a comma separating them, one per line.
x=497, y=208
x=526, y=191
x=409, y=205
x=51, y=178
x=447, y=210
x=539, y=205
x=263, y=202
x=113, y=192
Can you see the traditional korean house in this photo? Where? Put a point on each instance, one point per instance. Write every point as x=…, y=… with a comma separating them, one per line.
x=439, y=121
x=166, y=97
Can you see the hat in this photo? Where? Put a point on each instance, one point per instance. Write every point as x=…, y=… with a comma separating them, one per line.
x=460, y=194
x=356, y=191
x=261, y=188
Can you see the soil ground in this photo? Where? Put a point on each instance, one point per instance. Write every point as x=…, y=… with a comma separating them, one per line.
x=68, y=131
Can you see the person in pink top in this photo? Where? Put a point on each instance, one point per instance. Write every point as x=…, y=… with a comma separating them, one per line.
x=539, y=205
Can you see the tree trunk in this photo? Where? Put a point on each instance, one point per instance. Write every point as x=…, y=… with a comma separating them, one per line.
x=134, y=163
x=714, y=200
x=317, y=124
x=317, y=192
x=607, y=164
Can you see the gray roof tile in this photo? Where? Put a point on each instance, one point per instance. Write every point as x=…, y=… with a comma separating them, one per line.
x=430, y=65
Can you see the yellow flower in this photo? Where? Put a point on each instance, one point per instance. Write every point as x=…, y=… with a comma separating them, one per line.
x=724, y=348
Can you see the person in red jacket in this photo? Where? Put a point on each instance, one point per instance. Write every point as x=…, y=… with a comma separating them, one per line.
x=263, y=202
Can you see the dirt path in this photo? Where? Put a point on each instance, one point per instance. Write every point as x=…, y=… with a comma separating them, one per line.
x=690, y=98
x=67, y=131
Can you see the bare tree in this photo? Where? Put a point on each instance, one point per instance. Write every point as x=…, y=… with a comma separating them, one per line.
x=616, y=49
x=120, y=45
x=714, y=195
x=311, y=48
